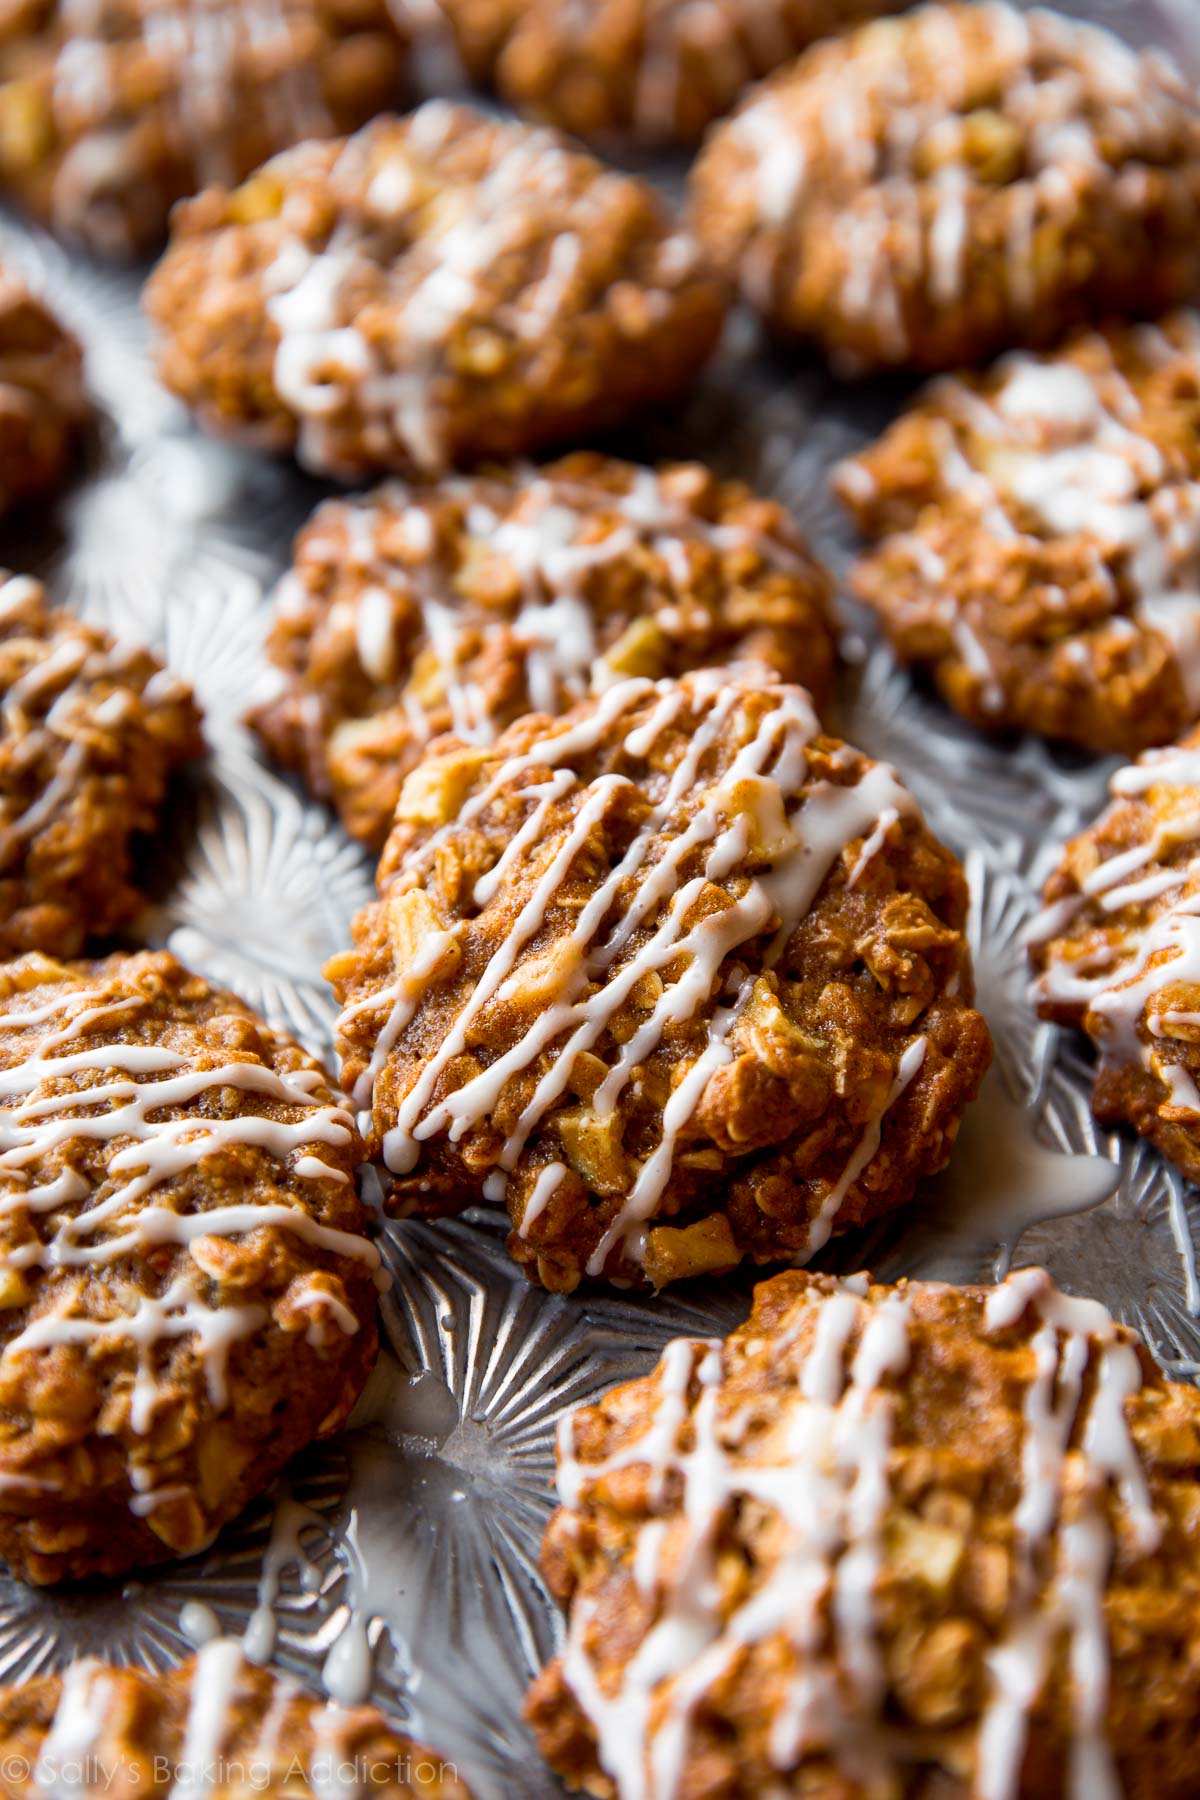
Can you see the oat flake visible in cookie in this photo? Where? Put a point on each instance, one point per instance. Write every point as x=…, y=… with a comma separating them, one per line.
x=926, y=191
x=1040, y=531
x=880, y=1539
x=459, y=607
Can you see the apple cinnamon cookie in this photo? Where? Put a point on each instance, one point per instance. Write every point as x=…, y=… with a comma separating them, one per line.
x=914, y=1540
x=90, y=732
x=1039, y=531
x=434, y=290
x=1117, y=949
x=43, y=407
x=113, y=110
x=676, y=977
x=187, y=1296
x=925, y=191
x=458, y=607
x=659, y=71
x=216, y=1725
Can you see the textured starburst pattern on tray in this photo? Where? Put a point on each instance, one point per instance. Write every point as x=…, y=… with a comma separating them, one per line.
x=419, y=1531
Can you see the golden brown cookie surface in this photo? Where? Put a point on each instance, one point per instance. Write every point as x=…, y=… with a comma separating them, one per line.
x=657, y=70
x=113, y=110
x=926, y=191
x=415, y=611
x=90, y=731
x=186, y=1293
x=677, y=977
x=1117, y=949
x=1039, y=533
x=43, y=408
x=434, y=290
x=921, y=1542
x=215, y=1724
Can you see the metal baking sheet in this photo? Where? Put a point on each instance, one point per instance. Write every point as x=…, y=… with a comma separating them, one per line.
x=420, y=1528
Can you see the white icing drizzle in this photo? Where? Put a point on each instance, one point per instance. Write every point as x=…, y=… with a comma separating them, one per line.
x=325, y=364
x=1071, y=1334
x=837, y=1437
x=290, y=1521
x=204, y=61
x=825, y=1471
x=214, y=1688
x=758, y=812
x=71, y=1093
x=546, y=529
x=868, y=129
x=716, y=48
x=1121, y=981
x=71, y=1766
x=52, y=709
x=1068, y=457
x=75, y=1731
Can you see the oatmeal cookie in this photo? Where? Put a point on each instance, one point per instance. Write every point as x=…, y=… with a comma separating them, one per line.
x=1040, y=530
x=90, y=731
x=677, y=977
x=111, y=110
x=914, y=1542
x=215, y=1725
x=925, y=191
x=186, y=1294
x=1117, y=949
x=43, y=408
x=434, y=290
x=459, y=607
x=659, y=71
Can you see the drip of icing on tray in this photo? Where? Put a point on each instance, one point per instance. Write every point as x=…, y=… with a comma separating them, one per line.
x=291, y=1520
x=1002, y=1180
